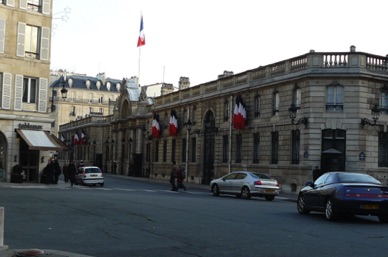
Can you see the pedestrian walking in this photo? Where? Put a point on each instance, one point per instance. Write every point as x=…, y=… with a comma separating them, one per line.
x=180, y=176
x=72, y=170
x=57, y=171
x=173, y=177
x=65, y=173
x=48, y=172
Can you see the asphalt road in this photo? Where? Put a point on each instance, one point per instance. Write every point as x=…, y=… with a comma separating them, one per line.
x=137, y=218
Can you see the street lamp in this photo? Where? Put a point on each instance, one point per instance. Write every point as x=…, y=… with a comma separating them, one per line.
x=375, y=117
x=189, y=126
x=293, y=110
x=63, y=92
x=94, y=152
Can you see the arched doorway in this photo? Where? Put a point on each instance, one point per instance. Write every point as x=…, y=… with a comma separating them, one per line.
x=208, y=149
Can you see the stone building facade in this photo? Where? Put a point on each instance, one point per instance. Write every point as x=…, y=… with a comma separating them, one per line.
x=311, y=110
x=25, y=126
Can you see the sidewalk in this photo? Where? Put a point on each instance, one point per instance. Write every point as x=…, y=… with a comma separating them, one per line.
x=6, y=252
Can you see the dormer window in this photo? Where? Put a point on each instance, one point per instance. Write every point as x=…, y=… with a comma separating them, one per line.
x=70, y=82
x=108, y=85
x=88, y=84
x=98, y=84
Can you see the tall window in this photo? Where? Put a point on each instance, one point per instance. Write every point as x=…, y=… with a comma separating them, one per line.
x=296, y=97
x=226, y=110
x=32, y=42
x=238, y=148
x=183, y=152
x=156, y=154
x=275, y=103
x=225, y=147
x=257, y=106
x=30, y=88
x=295, y=135
x=193, y=149
x=148, y=152
x=334, y=98
x=34, y=5
x=383, y=149
x=384, y=100
x=275, y=147
x=173, y=150
x=256, y=143
x=164, y=150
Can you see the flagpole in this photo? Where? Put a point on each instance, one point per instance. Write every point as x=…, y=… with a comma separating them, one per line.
x=138, y=68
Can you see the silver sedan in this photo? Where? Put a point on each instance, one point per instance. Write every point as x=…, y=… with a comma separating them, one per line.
x=246, y=184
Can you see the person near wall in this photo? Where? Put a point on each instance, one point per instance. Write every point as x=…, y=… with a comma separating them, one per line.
x=57, y=171
x=180, y=176
x=316, y=173
x=173, y=177
x=72, y=171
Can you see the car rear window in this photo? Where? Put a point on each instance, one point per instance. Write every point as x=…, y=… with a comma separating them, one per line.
x=260, y=176
x=92, y=170
x=357, y=178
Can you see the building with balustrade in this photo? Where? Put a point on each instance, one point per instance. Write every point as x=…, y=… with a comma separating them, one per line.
x=325, y=109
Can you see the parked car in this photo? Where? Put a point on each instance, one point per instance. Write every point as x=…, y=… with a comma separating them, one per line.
x=89, y=175
x=345, y=194
x=245, y=184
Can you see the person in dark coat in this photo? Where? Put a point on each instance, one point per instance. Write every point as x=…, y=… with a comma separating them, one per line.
x=316, y=173
x=57, y=171
x=173, y=177
x=180, y=176
x=72, y=171
x=65, y=173
x=49, y=172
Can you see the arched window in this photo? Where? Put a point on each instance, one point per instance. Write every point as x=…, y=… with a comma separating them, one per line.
x=257, y=105
x=275, y=103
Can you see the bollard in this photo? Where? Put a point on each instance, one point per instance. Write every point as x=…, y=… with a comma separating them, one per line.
x=1, y=226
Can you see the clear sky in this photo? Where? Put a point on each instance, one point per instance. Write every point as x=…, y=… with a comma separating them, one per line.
x=201, y=39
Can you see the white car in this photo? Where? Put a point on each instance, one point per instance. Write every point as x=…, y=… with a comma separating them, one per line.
x=245, y=184
x=89, y=175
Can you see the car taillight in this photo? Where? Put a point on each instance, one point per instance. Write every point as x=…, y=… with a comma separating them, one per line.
x=277, y=184
x=101, y=174
x=366, y=195
x=257, y=183
x=84, y=174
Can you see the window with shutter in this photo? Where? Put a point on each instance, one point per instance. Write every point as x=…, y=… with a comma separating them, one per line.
x=46, y=7
x=21, y=38
x=23, y=4
x=42, y=104
x=10, y=3
x=6, y=91
x=44, y=45
x=2, y=35
x=18, y=92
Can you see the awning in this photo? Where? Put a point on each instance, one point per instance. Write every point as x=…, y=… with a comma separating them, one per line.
x=39, y=140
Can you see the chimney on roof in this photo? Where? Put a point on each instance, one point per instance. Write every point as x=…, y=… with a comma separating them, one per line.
x=226, y=74
x=184, y=83
x=101, y=76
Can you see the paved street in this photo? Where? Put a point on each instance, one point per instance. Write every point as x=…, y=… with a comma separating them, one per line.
x=129, y=217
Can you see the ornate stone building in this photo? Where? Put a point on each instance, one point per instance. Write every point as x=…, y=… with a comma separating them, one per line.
x=317, y=109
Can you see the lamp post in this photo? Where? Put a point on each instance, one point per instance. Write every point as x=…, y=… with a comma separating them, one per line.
x=63, y=92
x=106, y=154
x=130, y=168
x=113, y=166
x=94, y=152
x=293, y=110
x=375, y=116
x=188, y=125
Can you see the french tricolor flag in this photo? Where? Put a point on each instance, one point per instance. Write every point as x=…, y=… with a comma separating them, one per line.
x=239, y=114
x=155, y=126
x=173, y=123
x=76, y=139
x=141, y=39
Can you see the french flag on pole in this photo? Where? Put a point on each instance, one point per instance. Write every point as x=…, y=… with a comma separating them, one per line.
x=83, y=137
x=155, y=126
x=141, y=39
x=173, y=123
x=239, y=114
x=76, y=139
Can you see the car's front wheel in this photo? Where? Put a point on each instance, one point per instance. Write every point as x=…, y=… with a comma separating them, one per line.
x=102, y=184
x=245, y=193
x=215, y=190
x=330, y=211
x=301, y=205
